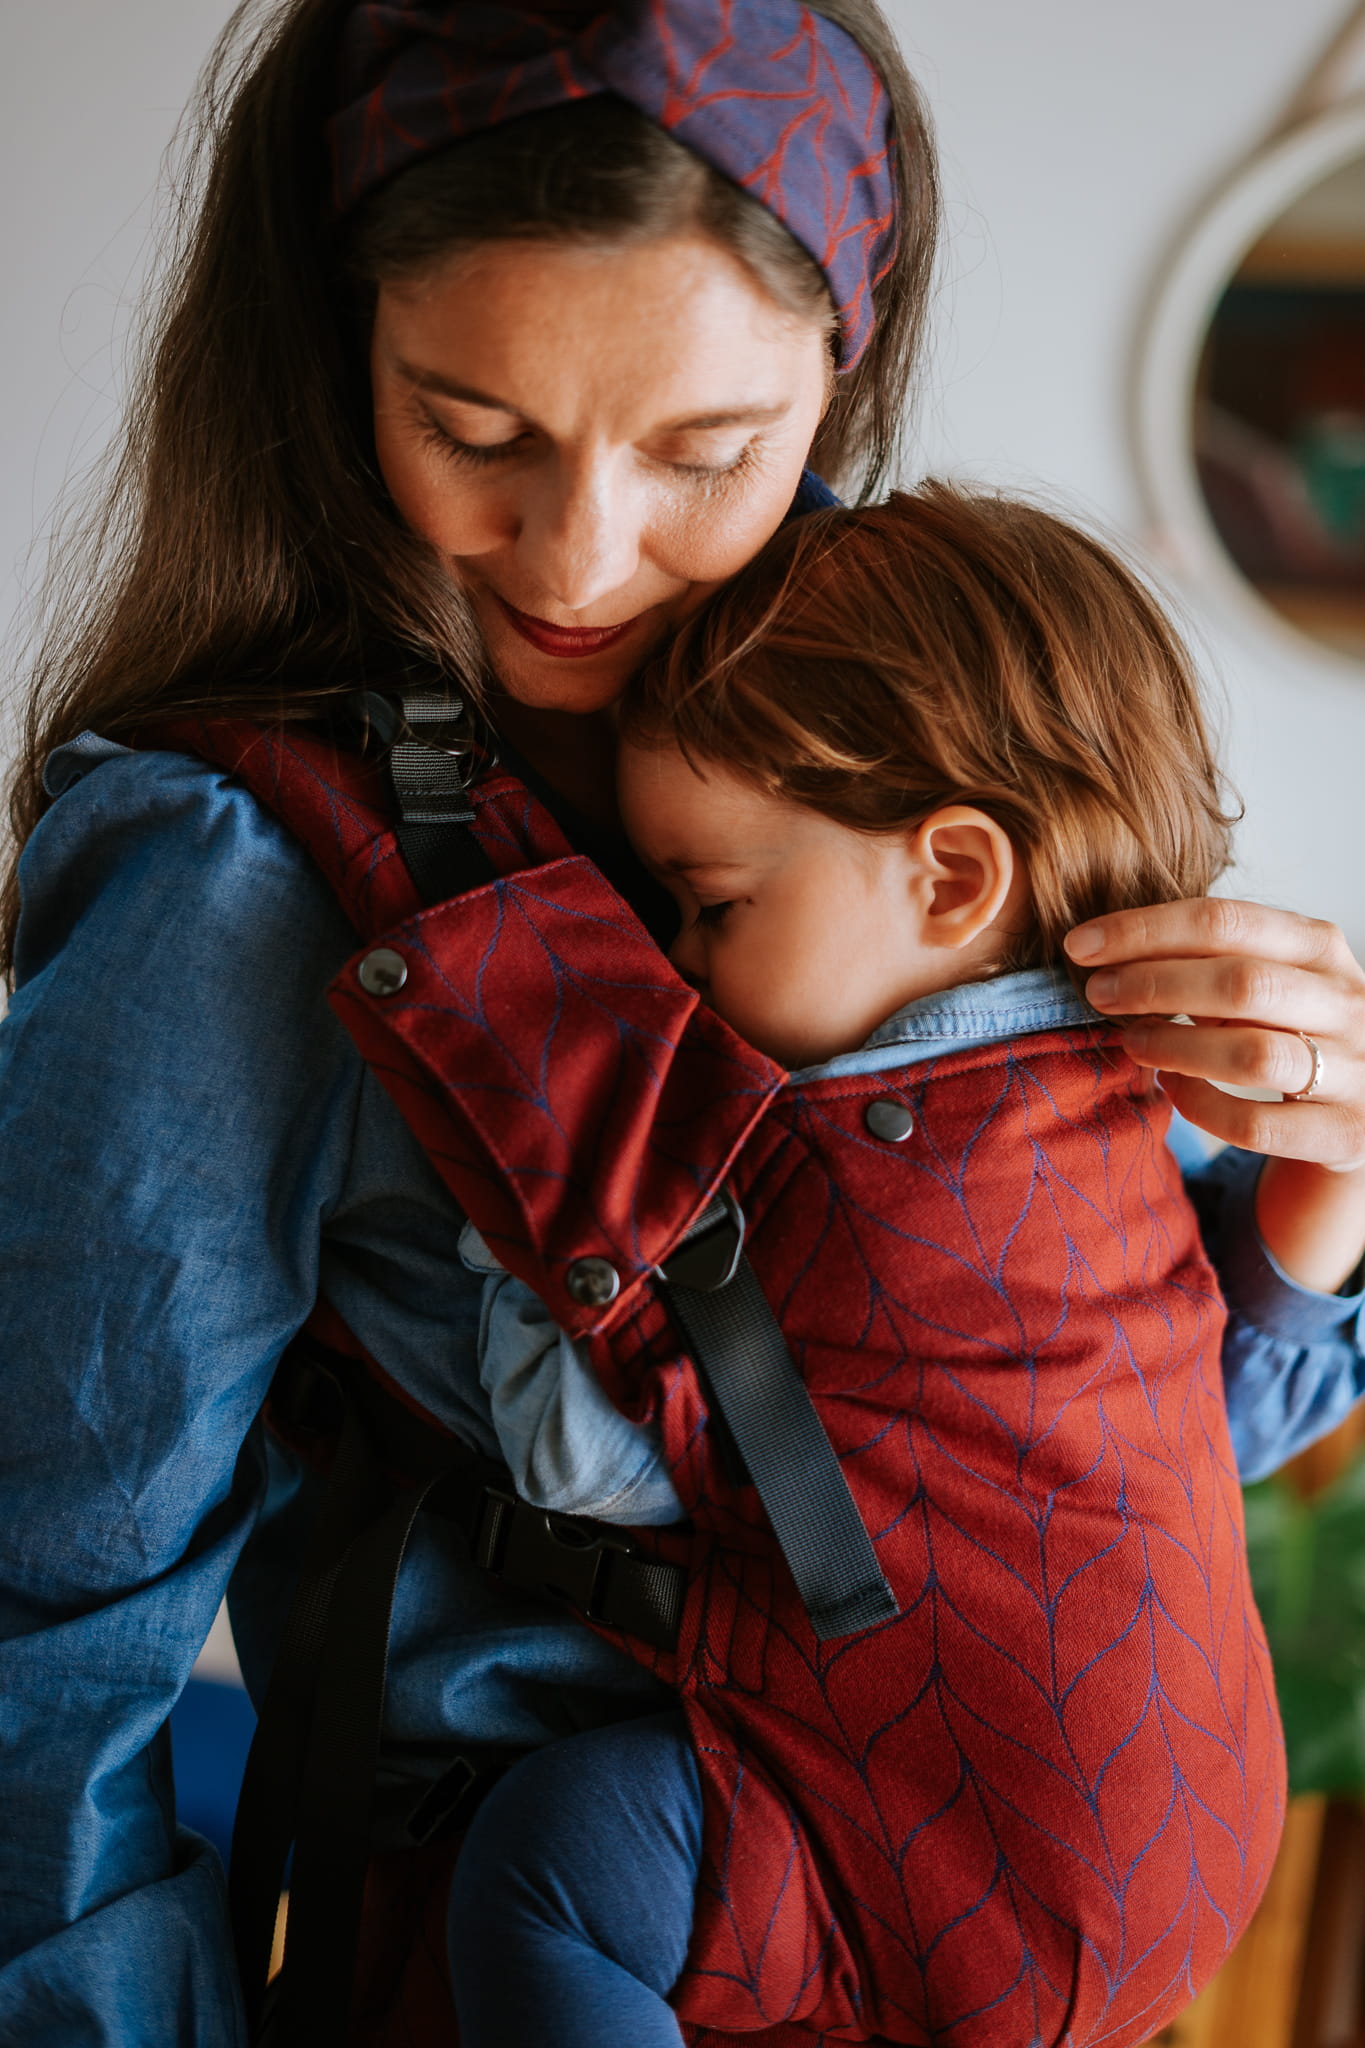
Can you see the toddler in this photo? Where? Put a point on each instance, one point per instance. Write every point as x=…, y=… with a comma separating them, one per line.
x=883, y=775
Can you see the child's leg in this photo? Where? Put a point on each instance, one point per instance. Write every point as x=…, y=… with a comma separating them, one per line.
x=571, y=1906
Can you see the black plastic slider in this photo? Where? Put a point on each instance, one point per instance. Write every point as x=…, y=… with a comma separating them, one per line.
x=709, y=1255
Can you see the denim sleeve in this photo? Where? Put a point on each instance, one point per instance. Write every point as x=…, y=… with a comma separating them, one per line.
x=1293, y=1365
x=175, y=1098
x=568, y=1447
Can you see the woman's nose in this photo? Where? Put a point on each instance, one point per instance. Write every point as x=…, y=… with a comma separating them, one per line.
x=581, y=536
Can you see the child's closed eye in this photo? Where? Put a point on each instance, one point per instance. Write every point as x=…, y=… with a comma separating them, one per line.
x=713, y=914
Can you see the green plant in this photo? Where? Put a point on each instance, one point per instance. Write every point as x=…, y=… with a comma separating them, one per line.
x=1308, y=1567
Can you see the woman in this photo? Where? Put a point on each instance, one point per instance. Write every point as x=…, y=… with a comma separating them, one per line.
x=537, y=393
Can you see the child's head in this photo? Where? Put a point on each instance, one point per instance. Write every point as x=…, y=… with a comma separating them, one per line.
x=913, y=746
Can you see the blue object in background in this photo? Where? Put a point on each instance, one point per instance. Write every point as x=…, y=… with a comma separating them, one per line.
x=211, y=1729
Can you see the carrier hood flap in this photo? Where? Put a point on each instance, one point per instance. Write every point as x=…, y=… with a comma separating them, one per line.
x=572, y=1090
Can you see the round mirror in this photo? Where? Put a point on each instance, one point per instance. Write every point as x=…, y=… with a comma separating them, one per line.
x=1252, y=391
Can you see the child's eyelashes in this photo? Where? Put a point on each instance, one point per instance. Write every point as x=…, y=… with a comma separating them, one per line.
x=713, y=914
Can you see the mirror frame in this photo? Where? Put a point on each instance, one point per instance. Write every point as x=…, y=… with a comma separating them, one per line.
x=1184, y=536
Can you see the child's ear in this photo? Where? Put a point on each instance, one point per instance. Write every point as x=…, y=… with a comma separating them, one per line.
x=969, y=874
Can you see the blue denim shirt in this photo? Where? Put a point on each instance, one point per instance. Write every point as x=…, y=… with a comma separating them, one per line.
x=190, y=1148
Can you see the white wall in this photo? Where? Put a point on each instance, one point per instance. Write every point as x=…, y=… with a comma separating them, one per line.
x=1077, y=135
x=90, y=93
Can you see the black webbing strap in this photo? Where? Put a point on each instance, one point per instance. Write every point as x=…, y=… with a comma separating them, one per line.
x=431, y=796
x=742, y=1355
x=267, y=1806
x=589, y=1567
x=314, y=1765
x=312, y=1770
x=311, y=2006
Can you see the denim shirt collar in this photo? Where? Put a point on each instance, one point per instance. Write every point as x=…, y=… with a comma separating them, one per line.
x=1035, y=999
x=953, y=1019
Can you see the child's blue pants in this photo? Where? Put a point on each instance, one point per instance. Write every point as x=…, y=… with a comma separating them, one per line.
x=571, y=1905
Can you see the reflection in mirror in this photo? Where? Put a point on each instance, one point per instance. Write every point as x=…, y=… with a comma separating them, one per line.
x=1280, y=413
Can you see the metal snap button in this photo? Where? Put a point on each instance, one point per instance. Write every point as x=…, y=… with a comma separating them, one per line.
x=383, y=972
x=888, y=1120
x=593, y=1282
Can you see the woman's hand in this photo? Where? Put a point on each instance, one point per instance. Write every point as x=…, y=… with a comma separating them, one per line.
x=1253, y=980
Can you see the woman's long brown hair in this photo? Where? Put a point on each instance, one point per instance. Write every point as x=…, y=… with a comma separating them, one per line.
x=244, y=558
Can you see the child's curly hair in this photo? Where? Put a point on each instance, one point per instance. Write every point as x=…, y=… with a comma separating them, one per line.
x=954, y=646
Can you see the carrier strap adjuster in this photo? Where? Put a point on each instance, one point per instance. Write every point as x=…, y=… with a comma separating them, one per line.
x=451, y=1802
x=709, y=1255
x=595, y=1569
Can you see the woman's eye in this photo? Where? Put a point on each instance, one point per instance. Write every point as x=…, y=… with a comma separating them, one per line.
x=712, y=914
x=731, y=463
x=474, y=452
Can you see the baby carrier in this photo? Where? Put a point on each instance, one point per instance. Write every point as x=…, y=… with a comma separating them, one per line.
x=951, y=1413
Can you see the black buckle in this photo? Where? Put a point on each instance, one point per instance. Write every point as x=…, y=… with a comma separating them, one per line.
x=538, y=1551
x=453, y=1800
x=449, y=725
x=444, y=1805
x=375, y=720
x=708, y=1257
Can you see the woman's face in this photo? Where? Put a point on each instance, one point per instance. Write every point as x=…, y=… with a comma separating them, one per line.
x=594, y=439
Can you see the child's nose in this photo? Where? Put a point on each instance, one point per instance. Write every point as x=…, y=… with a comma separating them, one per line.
x=688, y=954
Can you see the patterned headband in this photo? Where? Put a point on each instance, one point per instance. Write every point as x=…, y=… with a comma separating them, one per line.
x=780, y=100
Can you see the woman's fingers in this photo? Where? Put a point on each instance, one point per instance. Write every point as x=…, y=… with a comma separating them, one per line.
x=1254, y=980
x=1209, y=925
x=1234, y=963
x=1240, y=990
x=1238, y=1056
x=1323, y=1133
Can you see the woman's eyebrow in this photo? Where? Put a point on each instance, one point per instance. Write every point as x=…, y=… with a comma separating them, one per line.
x=432, y=380
x=465, y=394
x=736, y=416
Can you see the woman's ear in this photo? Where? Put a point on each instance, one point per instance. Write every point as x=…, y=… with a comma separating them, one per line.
x=970, y=875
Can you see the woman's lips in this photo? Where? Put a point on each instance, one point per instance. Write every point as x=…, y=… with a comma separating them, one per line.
x=566, y=641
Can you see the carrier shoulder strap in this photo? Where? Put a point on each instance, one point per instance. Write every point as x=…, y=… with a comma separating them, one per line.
x=770, y=1419
x=310, y=1777
x=729, y=1327
x=428, y=748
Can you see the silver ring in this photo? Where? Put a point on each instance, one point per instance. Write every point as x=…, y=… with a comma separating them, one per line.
x=1307, y=1094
